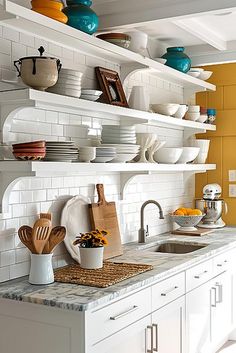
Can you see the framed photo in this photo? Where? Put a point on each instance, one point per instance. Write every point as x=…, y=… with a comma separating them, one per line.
x=111, y=86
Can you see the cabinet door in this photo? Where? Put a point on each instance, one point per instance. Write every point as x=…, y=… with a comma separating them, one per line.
x=198, y=319
x=221, y=306
x=168, y=328
x=135, y=338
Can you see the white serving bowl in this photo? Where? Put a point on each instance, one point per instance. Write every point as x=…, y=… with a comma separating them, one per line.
x=65, y=86
x=192, y=116
x=203, y=118
x=169, y=155
x=123, y=157
x=103, y=159
x=165, y=109
x=71, y=72
x=138, y=42
x=205, y=75
x=92, y=92
x=183, y=108
x=203, y=144
x=89, y=97
x=66, y=92
x=194, y=73
x=194, y=108
x=189, y=154
x=187, y=223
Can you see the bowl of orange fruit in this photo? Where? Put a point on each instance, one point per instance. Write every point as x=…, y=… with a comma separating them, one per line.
x=187, y=218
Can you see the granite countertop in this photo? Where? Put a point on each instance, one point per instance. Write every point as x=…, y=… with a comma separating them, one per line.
x=81, y=298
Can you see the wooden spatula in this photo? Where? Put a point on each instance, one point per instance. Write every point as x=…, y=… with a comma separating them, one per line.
x=40, y=235
x=56, y=237
x=25, y=235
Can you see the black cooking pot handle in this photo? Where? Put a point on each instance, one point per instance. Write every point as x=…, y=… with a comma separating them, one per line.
x=17, y=68
x=59, y=65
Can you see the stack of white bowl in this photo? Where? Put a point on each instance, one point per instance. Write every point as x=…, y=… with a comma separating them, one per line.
x=193, y=113
x=113, y=134
x=124, y=152
x=204, y=148
x=104, y=154
x=68, y=84
x=87, y=154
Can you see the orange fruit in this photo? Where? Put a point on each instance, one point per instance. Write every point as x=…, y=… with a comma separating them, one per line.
x=178, y=213
x=195, y=212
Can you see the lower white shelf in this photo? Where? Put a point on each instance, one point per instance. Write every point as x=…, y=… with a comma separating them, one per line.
x=12, y=171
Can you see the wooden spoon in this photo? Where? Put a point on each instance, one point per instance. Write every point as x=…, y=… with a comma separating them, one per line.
x=25, y=235
x=56, y=237
x=40, y=235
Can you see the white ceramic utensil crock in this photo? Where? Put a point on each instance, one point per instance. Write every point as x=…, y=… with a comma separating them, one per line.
x=38, y=72
x=41, y=271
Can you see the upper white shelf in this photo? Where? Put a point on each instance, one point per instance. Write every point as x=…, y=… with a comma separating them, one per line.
x=24, y=19
x=11, y=101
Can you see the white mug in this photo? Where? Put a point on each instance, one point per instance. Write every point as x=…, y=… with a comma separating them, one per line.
x=41, y=271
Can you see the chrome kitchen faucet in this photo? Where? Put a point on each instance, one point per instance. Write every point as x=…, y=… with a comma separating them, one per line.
x=143, y=233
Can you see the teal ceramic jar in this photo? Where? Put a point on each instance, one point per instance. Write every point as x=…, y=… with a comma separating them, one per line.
x=81, y=16
x=177, y=59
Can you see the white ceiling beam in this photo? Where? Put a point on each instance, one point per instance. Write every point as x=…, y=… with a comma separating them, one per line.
x=201, y=31
x=131, y=13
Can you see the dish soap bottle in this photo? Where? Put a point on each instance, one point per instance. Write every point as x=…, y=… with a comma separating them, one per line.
x=81, y=16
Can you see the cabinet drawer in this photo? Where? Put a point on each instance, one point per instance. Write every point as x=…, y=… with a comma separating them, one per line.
x=114, y=317
x=222, y=262
x=168, y=290
x=199, y=274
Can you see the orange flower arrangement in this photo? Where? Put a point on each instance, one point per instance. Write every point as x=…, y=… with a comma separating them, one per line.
x=94, y=239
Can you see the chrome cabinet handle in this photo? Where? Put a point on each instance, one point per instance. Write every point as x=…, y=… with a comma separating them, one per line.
x=135, y=307
x=215, y=302
x=149, y=327
x=169, y=291
x=220, y=265
x=155, y=349
x=220, y=293
x=200, y=274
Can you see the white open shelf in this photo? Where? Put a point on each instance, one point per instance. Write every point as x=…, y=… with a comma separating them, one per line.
x=12, y=101
x=24, y=19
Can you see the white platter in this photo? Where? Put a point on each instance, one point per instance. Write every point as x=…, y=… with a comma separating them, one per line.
x=75, y=217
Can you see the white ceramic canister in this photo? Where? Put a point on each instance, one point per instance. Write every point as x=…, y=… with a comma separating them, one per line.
x=41, y=271
x=91, y=258
x=139, y=98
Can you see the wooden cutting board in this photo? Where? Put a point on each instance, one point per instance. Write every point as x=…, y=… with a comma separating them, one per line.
x=197, y=233
x=103, y=216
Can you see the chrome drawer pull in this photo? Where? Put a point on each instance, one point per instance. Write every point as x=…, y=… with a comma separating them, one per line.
x=155, y=349
x=214, y=305
x=220, y=265
x=169, y=291
x=135, y=307
x=149, y=328
x=200, y=274
x=220, y=293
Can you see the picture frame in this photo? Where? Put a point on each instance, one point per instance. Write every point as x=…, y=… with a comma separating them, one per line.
x=111, y=86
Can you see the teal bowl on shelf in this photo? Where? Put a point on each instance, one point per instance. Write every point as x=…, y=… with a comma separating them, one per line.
x=177, y=59
x=81, y=16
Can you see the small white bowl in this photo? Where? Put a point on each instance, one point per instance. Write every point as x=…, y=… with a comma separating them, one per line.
x=165, y=109
x=182, y=110
x=92, y=92
x=201, y=158
x=205, y=75
x=160, y=60
x=197, y=69
x=194, y=108
x=89, y=97
x=194, y=73
x=124, y=157
x=189, y=154
x=169, y=155
x=203, y=118
x=192, y=116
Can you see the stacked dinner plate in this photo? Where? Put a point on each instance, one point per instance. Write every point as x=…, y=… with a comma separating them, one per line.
x=113, y=134
x=90, y=94
x=68, y=84
x=124, y=152
x=104, y=154
x=61, y=151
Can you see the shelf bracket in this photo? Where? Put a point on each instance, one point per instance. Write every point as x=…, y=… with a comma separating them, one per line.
x=192, y=132
x=126, y=178
x=7, y=182
x=126, y=70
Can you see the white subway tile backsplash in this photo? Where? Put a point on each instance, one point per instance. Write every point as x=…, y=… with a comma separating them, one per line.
x=19, y=270
x=7, y=258
x=5, y=46
x=10, y=34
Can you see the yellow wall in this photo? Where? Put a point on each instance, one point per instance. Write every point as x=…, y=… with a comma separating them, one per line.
x=223, y=141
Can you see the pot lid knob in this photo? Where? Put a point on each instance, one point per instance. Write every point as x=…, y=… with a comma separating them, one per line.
x=41, y=50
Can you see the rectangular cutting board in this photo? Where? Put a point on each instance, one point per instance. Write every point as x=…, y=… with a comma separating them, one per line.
x=199, y=232
x=103, y=216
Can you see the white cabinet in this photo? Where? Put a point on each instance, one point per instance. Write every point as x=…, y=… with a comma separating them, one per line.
x=168, y=328
x=198, y=319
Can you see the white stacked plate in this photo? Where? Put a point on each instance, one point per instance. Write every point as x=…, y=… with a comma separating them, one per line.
x=90, y=94
x=113, y=134
x=124, y=152
x=104, y=154
x=68, y=84
x=61, y=151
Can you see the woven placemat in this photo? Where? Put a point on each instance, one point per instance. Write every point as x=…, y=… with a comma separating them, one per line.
x=111, y=273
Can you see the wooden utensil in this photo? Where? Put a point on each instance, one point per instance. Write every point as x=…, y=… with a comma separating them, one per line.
x=25, y=235
x=56, y=237
x=41, y=232
x=103, y=216
x=46, y=216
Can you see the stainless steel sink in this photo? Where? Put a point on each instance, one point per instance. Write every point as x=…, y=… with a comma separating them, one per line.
x=176, y=247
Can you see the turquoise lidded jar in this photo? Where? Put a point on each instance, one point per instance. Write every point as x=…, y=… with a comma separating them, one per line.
x=81, y=16
x=177, y=59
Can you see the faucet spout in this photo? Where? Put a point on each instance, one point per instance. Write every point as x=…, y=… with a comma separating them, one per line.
x=142, y=232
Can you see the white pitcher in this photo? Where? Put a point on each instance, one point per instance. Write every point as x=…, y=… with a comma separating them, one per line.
x=139, y=98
